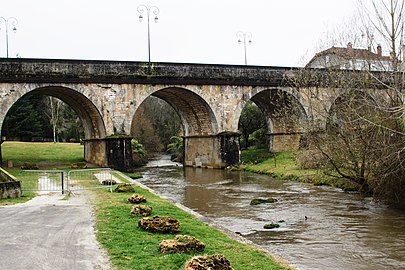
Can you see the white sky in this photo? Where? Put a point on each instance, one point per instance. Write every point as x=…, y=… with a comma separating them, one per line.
x=285, y=32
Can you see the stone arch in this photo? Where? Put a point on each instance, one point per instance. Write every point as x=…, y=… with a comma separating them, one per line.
x=203, y=147
x=195, y=113
x=353, y=102
x=285, y=116
x=92, y=121
x=88, y=113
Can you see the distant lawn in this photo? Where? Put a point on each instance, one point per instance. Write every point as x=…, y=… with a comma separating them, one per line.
x=283, y=165
x=42, y=153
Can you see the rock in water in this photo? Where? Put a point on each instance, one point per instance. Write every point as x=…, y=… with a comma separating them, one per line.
x=271, y=226
x=260, y=201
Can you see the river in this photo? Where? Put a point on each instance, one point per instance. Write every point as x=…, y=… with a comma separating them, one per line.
x=320, y=227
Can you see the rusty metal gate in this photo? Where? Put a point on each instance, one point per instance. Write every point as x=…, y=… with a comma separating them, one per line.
x=46, y=181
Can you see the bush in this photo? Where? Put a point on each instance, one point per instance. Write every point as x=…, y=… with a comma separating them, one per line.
x=29, y=166
x=138, y=153
x=309, y=159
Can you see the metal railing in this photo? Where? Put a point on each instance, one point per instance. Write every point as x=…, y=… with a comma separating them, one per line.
x=89, y=179
x=45, y=181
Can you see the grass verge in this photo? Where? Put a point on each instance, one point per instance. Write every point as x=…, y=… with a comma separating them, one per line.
x=129, y=247
x=283, y=165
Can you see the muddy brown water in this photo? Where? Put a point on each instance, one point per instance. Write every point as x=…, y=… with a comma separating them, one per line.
x=320, y=227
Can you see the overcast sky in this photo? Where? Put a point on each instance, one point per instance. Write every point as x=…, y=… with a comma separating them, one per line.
x=284, y=32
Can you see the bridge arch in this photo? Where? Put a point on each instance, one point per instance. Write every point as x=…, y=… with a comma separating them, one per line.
x=285, y=116
x=196, y=114
x=88, y=113
x=92, y=121
x=200, y=125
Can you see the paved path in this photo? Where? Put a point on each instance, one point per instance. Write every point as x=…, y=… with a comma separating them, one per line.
x=48, y=233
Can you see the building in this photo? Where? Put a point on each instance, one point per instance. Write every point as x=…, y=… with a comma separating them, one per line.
x=352, y=59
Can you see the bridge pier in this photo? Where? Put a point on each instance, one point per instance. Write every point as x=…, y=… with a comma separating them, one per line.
x=212, y=151
x=113, y=152
x=283, y=141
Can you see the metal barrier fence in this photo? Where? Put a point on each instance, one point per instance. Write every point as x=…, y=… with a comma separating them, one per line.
x=89, y=179
x=44, y=181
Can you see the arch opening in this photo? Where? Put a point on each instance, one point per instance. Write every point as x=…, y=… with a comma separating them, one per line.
x=89, y=118
x=284, y=117
x=199, y=125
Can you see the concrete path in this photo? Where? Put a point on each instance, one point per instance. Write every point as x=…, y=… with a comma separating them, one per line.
x=49, y=233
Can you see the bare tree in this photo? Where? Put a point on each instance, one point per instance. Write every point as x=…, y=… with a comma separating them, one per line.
x=363, y=138
x=53, y=110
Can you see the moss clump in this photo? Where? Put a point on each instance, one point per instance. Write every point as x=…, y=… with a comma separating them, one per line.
x=124, y=187
x=208, y=262
x=160, y=224
x=136, y=198
x=181, y=243
x=141, y=210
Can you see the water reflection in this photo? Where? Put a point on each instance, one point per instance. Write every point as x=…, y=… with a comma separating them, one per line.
x=343, y=231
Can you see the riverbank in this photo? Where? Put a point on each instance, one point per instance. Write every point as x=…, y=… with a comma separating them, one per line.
x=284, y=166
x=129, y=247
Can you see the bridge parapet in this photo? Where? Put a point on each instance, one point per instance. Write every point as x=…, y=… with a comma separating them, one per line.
x=88, y=71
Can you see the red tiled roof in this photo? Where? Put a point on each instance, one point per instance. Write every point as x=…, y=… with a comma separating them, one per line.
x=350, y=53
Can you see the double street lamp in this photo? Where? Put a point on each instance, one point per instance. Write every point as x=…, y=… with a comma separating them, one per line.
x=147, y=10
x=244, y=36
x=10, y=21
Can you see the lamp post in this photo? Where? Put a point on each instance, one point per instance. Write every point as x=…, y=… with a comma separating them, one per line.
x=13, y=21
x=144, y=9
x=244, y=36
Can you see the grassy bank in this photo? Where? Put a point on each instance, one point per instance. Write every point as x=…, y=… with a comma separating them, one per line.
x=44, y=154
x=283, y=165
x=129, y=247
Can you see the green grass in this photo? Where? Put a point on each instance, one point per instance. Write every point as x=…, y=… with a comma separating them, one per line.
x=283, y=165
x=277, y=164
x=129, y=247
x=133, y=175
x=42, y=153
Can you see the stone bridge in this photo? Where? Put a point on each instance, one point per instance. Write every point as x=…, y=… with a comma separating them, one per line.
x=208, y=98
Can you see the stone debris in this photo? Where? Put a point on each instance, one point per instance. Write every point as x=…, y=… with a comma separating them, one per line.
x=79, y=165
x=181, y=243
x=160, y=224
x=125, y=187
x=141, y=210
x=136, y=198
x=214, y=262
x=108, y=182
x=260, y=201
x=29, y=166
